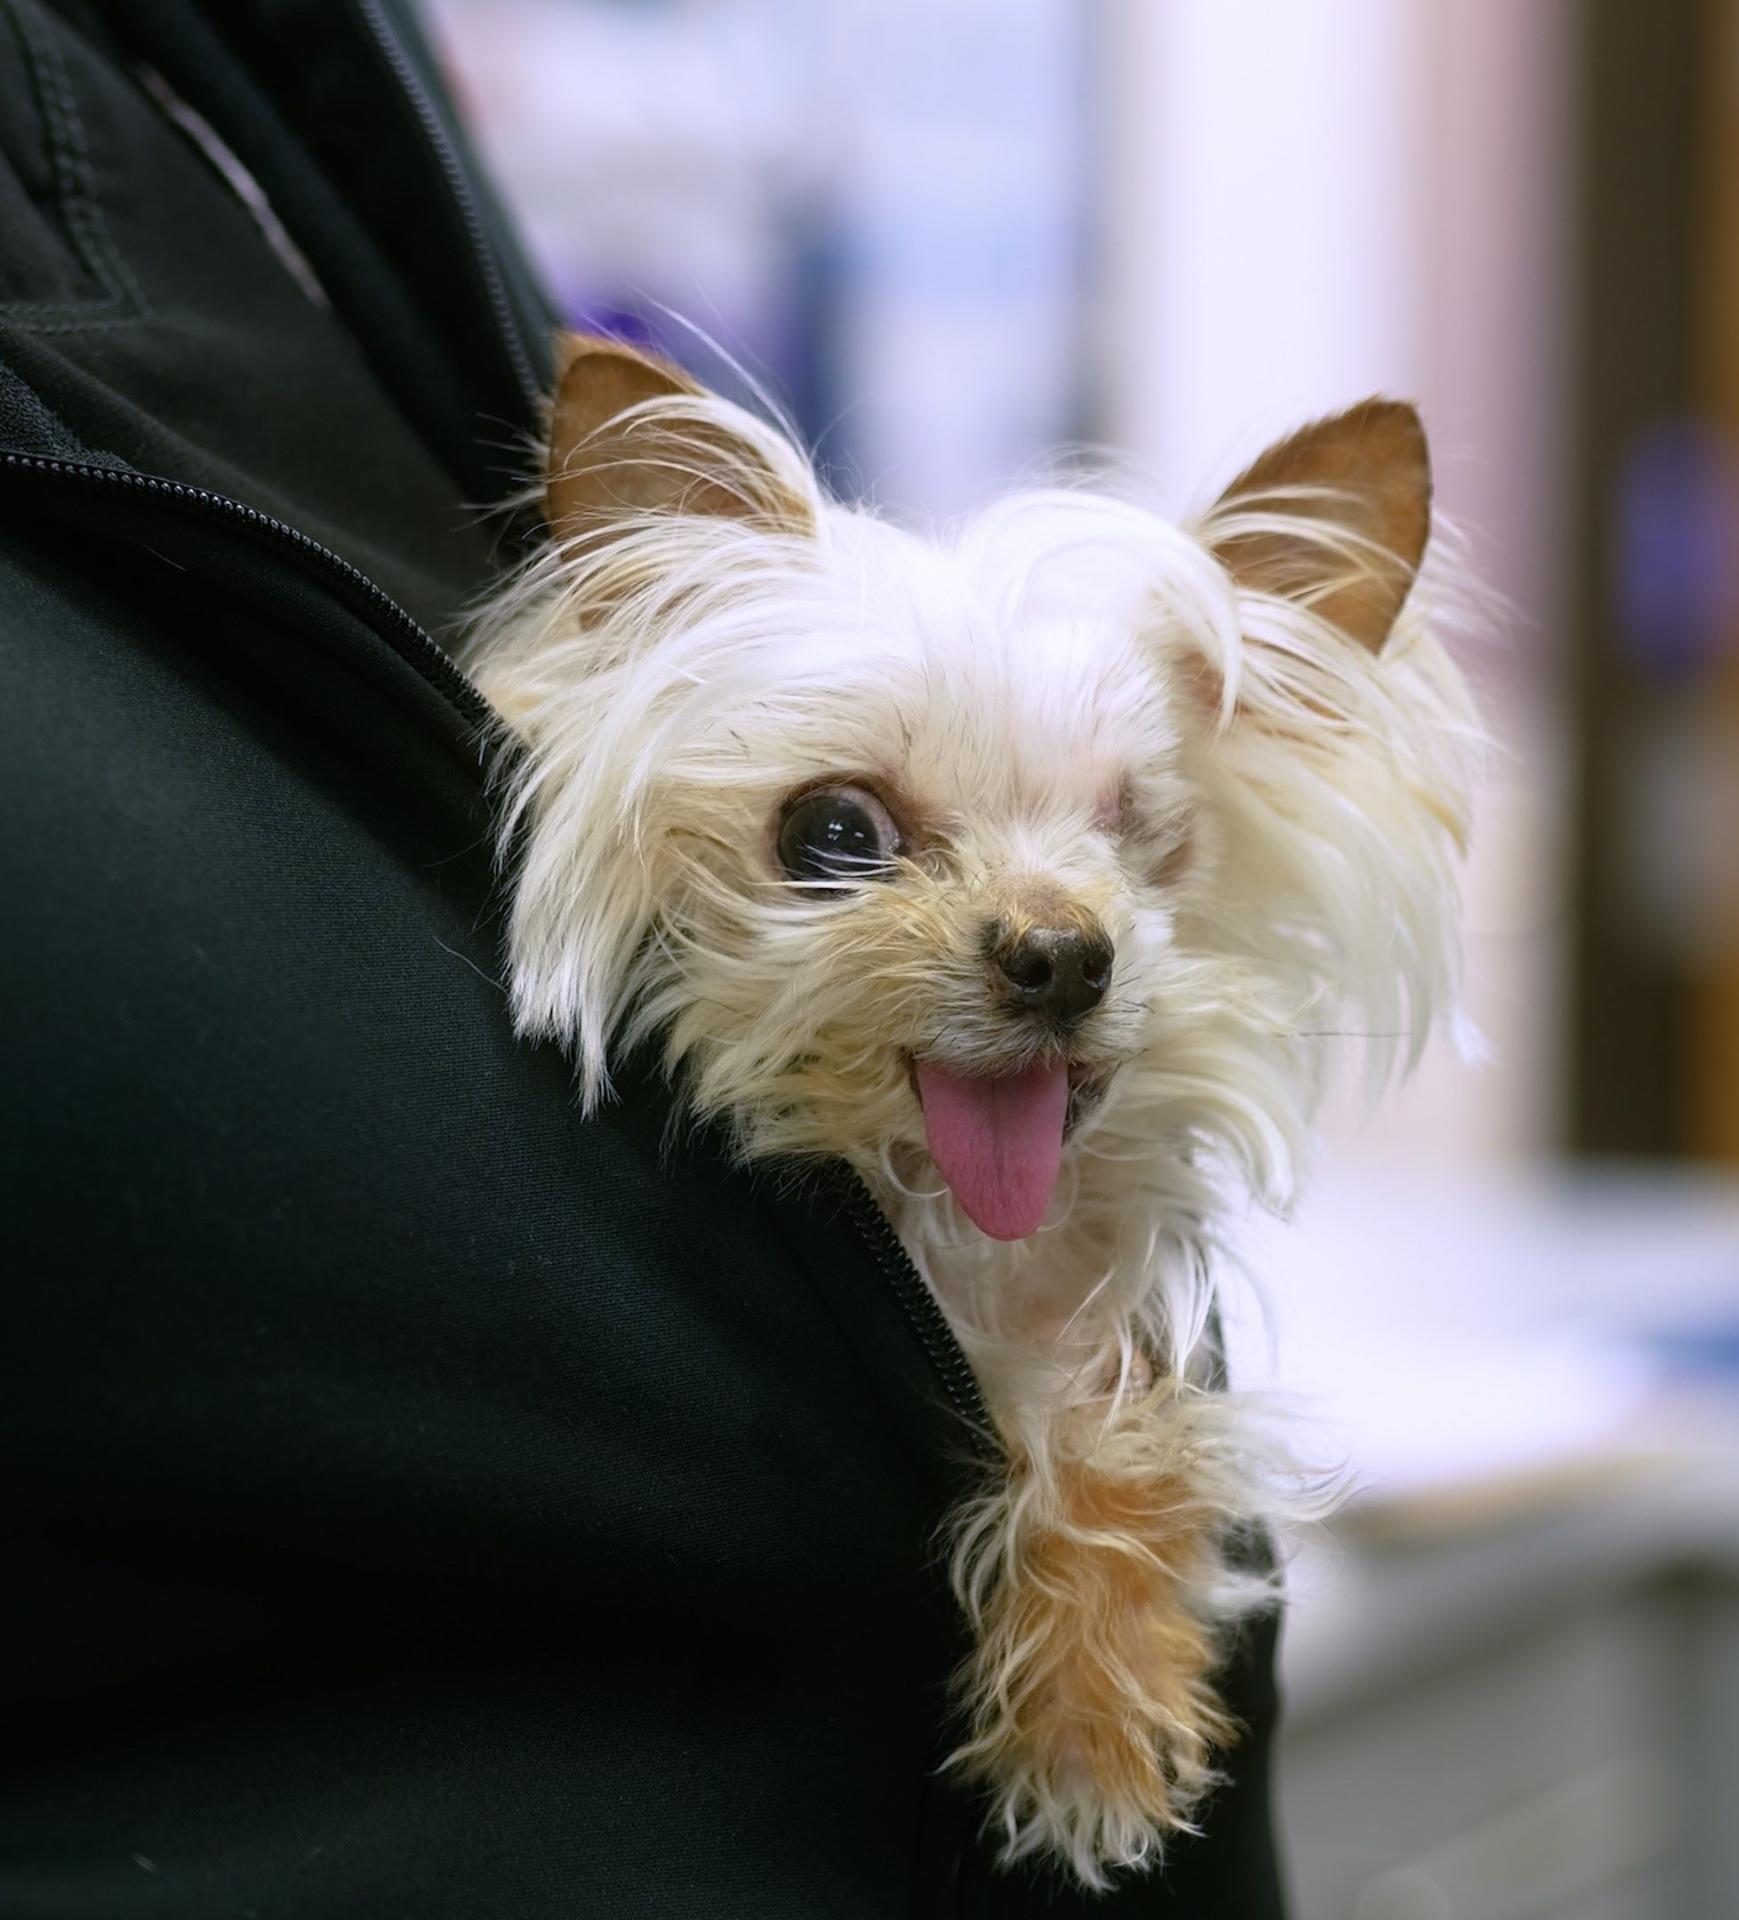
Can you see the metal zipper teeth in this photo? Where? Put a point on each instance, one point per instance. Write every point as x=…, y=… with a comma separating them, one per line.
x=409, y=638
x=459, y=189
x=919, y=1305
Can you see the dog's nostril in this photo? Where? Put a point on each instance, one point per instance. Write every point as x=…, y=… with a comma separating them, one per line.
x=1056, y=971
x=1029, y=967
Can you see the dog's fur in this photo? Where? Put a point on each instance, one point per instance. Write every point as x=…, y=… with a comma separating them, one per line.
x=1234, y=746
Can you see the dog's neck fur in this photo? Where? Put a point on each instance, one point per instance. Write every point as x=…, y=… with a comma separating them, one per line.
x=1106, y=1293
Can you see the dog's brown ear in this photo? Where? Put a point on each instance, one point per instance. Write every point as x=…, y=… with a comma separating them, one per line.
x=607, y=458
x=1337, y=517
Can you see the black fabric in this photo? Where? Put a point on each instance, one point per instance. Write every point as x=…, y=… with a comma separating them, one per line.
x=421, y=1501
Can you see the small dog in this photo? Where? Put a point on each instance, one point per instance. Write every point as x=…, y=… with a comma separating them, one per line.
x=1025, y=871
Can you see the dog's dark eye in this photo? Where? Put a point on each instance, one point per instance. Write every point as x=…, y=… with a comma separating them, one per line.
x=837, y=833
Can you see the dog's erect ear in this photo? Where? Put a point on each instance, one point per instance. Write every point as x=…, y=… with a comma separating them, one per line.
x=613, y=451
x=1336, y=517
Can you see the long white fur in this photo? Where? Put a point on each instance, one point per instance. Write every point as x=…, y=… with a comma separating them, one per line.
x=671, y=676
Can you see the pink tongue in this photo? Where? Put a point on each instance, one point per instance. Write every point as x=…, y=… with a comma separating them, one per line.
x=997, y=1142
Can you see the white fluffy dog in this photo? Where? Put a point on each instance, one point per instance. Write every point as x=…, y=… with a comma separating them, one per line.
x=1025, y=871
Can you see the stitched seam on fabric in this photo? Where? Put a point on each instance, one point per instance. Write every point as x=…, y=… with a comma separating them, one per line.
x=69, y=156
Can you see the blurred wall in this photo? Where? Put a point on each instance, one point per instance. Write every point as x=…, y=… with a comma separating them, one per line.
x=875, y=212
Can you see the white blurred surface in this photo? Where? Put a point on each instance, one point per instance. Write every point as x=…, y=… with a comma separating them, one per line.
x=1447, y=1332
x=1511, y=1666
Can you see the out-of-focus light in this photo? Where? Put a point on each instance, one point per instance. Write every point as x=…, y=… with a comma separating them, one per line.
x=1677, y=549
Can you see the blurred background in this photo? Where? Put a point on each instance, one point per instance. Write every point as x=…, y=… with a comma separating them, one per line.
x=953, y=235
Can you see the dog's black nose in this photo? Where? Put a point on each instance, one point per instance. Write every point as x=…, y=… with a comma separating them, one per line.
x=1056, y=971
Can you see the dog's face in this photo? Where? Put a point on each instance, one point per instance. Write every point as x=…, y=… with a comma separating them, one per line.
x=951, y=888
x=959, y=849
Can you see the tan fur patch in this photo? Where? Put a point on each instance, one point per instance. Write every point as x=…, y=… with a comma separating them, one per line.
x=1127, y=1687
x=1094, y=1671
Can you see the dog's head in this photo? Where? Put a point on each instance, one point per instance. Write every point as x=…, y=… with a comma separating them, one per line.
x=1074, y=825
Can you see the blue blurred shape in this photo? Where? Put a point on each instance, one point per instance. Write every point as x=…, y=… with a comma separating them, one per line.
x=1703, y=1352
x=1677, y=549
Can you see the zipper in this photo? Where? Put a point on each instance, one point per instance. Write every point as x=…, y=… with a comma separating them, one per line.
x=381, y=612
x=459, y=190
x=920, y=1307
